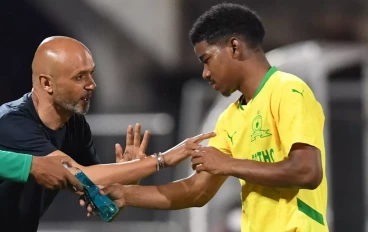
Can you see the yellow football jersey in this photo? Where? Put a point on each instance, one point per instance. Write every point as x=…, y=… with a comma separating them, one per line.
x=283, y=111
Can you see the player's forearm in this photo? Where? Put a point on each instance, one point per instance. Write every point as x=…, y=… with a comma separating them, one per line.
x=177, y=195
x=123, y=173
x=284, y=174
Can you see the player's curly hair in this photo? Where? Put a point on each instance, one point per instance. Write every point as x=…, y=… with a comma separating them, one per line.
x=224, y=20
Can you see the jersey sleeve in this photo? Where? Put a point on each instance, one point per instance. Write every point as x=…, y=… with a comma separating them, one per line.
x=15, y=166
x=219, y=141
x=22, y=135
x=299, y=115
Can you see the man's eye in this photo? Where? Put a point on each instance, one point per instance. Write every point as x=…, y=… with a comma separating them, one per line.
x=80, y=77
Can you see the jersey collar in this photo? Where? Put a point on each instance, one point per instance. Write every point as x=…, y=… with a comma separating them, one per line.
x=269, y=73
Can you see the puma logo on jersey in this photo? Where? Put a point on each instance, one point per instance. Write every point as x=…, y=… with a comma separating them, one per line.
x=296, y=91
x=231, y=137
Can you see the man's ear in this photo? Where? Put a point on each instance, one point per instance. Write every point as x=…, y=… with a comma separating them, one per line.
x=46, y=83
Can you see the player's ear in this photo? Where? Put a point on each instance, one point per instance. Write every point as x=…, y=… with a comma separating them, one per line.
x=46, y=83
x=236, y=48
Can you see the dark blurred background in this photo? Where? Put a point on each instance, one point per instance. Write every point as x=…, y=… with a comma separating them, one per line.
x=147, y=72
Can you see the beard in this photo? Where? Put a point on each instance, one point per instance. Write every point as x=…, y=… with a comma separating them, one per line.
x=72, y=106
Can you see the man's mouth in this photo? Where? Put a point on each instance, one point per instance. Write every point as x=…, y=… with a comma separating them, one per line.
x=86, y=98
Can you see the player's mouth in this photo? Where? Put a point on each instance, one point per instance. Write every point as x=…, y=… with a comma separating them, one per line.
x=213, y=84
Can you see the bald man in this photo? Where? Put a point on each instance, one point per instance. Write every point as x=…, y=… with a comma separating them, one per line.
x=49, y=121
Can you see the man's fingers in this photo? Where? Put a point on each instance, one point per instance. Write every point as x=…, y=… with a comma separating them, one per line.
x=144, y=144
x=137, y=135
x=129, y=136
x=201, y=137
x=118, y=152
x=192, y=146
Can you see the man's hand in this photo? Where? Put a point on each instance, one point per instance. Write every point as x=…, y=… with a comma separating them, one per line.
x=184, y=149
x=134, y=148
x=211, y=160
x=49, y=172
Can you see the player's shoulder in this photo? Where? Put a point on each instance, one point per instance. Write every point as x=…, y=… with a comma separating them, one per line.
x=286, y=80
x=229, y=112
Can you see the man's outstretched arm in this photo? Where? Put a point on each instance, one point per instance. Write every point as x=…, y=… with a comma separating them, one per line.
x=127, y=172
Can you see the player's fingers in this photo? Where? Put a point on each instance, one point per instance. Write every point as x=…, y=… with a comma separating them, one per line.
x=200, y=168
x=201, y=137
x=201, y=149
x=129, y=136
x=114, y=192
x=118, y=152
x=197, y=161
x=120, y=203
x=107, y=190
x=137, y=135
x=144, y=144
x=197, y=154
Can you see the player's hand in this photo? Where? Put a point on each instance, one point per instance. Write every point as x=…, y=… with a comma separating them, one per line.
x=49, y=172
x=115, y=192
x=211, y=160
x=134, y=148
x=184, y=149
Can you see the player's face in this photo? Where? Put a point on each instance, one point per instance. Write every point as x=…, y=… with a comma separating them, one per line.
x=74, y=86
x=218, y=67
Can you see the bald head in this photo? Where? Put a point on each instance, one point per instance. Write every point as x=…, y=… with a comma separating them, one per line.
x=59, y=55
x=62, y=74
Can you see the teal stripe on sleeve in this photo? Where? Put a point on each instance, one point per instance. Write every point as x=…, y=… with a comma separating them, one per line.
x=15, y=166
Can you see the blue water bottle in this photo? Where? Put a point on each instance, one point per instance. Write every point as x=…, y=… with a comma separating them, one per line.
x=105, y=207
